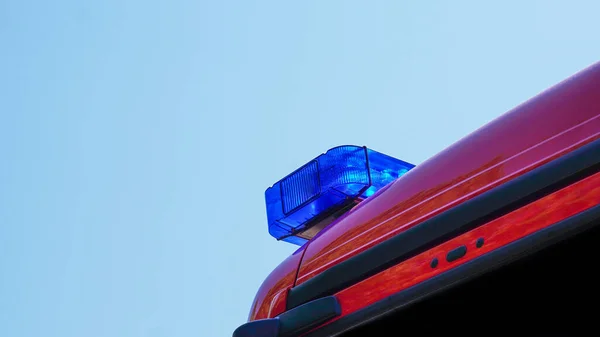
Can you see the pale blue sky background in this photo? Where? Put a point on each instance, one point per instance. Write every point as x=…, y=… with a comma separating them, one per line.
x=137, y=137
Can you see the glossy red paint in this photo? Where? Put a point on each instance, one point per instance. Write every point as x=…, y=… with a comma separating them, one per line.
x=500, y=232
x=272, y=294
x=544, y=128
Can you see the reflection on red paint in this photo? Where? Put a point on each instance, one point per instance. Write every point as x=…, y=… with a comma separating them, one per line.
x=500, y=232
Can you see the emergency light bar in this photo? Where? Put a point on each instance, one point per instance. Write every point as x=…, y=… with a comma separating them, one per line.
x=307, y=200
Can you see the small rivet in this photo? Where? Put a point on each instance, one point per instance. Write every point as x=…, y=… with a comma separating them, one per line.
x=479, y=243
x=434, y=262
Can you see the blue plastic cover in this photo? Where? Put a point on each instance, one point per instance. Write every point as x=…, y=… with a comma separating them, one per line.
x=324, y=186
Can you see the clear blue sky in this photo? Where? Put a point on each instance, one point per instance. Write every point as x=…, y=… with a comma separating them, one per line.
x=137, y=137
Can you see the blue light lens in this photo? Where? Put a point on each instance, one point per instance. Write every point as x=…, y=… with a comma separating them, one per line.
x=325, y=185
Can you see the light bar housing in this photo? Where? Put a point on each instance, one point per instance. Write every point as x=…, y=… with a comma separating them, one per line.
x=308, y=199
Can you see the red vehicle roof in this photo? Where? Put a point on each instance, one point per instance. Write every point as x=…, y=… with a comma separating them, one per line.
x=554, y=123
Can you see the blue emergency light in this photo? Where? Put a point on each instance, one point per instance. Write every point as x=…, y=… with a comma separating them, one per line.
x=308, y=199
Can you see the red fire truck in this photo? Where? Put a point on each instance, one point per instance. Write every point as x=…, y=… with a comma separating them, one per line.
x=494, y=235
